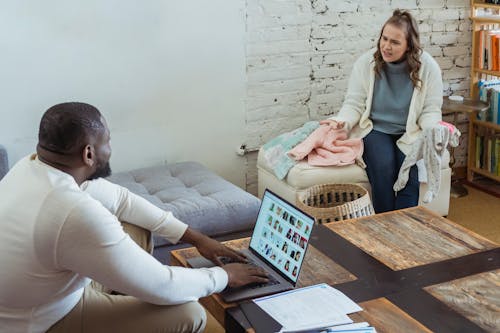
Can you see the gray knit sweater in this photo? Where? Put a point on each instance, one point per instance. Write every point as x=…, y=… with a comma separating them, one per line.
x=391, y=99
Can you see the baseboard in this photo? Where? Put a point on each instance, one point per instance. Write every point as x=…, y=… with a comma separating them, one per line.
x=486, y=185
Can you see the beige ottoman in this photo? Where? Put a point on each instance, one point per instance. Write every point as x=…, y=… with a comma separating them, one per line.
x=302, y=176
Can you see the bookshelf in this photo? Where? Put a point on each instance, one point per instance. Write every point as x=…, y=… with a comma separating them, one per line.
x=484, y=128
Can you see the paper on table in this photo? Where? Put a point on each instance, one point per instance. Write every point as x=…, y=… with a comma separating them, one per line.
x=310, y=307
x=363, y=324
x=354, y=330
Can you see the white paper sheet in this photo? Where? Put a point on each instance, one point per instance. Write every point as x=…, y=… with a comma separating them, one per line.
x=354, y=330
x=311, y=307
x=363, y=324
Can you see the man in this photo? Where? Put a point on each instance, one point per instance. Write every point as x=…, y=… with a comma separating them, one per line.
x=60, y=229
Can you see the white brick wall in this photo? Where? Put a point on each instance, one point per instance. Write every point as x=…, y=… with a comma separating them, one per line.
x=300, y=54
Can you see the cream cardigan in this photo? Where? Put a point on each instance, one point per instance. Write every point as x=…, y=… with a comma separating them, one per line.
x=425, y=105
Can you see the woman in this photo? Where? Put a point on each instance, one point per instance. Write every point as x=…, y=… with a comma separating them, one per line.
x=394, y=93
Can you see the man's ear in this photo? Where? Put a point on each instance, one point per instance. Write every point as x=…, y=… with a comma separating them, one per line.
x=88, y=155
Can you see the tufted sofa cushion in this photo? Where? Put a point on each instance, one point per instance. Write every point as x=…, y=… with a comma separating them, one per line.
x=195, y=195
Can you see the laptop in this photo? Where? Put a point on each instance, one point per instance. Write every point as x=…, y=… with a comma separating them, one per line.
x=279, y=242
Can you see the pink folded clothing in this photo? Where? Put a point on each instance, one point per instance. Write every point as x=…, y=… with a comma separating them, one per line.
x=326, y=146
x=450, y=127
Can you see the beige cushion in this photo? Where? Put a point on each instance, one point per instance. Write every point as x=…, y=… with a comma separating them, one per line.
x=302, y=175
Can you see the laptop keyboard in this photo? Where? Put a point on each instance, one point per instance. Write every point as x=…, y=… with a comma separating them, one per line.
x=227, y=260
x=272, y=280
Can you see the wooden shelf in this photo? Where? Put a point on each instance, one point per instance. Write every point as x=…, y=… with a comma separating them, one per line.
x=486, y=19
x=485, y=173
x=485, y=5
x=476, y=126
x=487, y=72
x=487, y=124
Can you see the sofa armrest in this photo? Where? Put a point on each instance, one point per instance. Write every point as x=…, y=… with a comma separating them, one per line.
x=4, y=161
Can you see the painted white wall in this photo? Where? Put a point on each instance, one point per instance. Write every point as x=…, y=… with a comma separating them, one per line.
x=169, y=76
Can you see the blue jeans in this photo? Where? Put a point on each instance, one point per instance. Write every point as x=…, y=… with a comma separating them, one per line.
x=383, y=160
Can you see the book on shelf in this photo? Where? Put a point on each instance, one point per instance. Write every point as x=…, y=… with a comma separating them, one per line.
x=479, y=151
x=489, y=92
x=492, y=94
x=497, y=155
x=493, y=151
x=488, y=50
x=487, y=151
x=493, y=37
x=487, y=161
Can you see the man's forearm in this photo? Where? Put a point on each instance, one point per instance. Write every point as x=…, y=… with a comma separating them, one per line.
x=192, y=236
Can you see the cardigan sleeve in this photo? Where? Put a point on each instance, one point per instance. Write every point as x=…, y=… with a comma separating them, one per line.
x=354, y=104
x=432, y=88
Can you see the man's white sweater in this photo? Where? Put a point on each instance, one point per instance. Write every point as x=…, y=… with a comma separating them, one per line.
x=57, y=236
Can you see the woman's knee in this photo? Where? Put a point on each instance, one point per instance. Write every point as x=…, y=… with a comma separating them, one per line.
x=381, y=165
x=379, y=153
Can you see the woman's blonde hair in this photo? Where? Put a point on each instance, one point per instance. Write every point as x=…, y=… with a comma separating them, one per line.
x=405, y=21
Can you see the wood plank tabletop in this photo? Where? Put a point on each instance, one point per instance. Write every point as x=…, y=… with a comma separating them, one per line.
x=476, y=297
x=387, y=317
x=409, y=238
x=411, y=271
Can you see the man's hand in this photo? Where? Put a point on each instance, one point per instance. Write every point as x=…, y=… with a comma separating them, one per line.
x=334, y=124
x=210, y=248
x=242, y=274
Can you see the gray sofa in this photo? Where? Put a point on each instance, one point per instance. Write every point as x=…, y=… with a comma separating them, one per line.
x=194, y=194
x=4, y=161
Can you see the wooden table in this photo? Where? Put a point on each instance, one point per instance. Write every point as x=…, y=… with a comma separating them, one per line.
x=410, y=270
x=468, y=105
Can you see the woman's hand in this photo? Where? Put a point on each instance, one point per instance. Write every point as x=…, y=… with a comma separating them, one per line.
x=334, y=124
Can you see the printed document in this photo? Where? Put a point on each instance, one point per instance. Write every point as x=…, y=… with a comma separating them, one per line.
x=308, y=308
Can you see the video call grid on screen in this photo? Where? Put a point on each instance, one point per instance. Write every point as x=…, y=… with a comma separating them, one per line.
x=281, y=234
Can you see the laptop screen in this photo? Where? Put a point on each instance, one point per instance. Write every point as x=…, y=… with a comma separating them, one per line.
x=281, y=235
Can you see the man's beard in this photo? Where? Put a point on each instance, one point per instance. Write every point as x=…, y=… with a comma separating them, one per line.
x=103, y=170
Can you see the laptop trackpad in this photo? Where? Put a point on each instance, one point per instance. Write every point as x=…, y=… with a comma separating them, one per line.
x=200, y=262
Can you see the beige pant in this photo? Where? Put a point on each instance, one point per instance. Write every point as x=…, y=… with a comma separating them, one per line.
x=100, y=310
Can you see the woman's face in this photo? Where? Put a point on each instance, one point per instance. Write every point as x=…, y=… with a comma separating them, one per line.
x=393, y=44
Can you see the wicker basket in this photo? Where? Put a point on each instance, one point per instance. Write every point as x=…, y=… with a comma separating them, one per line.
x=335, y=202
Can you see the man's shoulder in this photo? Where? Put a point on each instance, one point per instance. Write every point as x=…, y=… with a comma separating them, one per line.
x=79, y=211
x=62, y=202
x=67, y=196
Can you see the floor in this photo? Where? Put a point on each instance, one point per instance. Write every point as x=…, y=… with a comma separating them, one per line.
x=477, y=211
